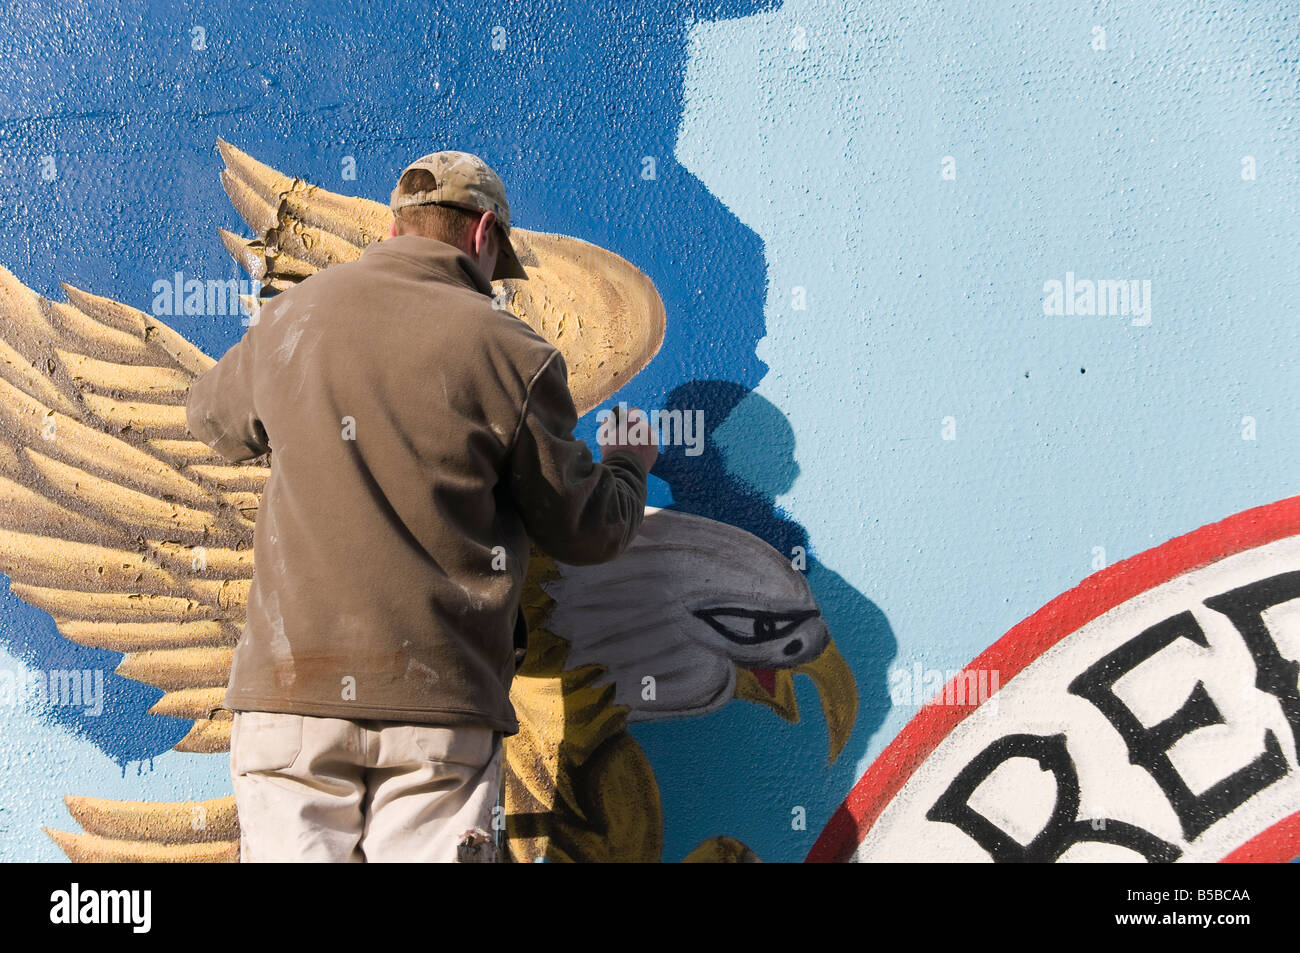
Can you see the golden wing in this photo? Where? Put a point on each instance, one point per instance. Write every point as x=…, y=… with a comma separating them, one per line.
x=603, y=314
x=134, y=536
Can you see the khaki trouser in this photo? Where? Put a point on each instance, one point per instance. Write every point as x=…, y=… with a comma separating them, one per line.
x=336, y=790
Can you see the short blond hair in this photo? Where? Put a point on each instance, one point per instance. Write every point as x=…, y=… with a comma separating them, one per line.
x=446, y=223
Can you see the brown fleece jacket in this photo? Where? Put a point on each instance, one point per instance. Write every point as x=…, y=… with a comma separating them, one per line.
x=420, y=438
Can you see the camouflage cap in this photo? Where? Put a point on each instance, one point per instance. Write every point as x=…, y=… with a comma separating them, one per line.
x=465, y=181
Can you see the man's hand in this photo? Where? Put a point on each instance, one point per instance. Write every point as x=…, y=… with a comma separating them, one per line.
x=635, y=438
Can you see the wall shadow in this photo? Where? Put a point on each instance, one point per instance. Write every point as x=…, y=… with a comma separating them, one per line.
x=705, y=486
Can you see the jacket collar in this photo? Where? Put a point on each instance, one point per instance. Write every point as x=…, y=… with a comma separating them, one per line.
x=433, y=259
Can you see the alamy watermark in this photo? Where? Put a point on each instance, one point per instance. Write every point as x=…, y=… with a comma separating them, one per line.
x=194, y=296
x=133, y=908
x=667, y=428
x=918, y=686
x=1102, y=296
x=55, y=688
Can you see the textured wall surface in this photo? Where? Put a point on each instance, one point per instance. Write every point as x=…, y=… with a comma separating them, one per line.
x=854, y=214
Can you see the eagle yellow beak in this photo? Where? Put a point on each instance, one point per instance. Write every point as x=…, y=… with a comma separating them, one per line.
x=836, y=688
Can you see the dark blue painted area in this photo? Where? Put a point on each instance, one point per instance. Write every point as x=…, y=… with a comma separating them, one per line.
x=565, y=113
x=121, y=728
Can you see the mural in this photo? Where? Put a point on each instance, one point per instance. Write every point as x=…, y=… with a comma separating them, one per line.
x=137, y=539
x=978, y=313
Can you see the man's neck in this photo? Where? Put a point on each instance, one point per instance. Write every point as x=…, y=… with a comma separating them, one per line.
x=439, y=259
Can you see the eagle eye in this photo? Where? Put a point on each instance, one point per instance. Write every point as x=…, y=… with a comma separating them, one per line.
x=753, y=626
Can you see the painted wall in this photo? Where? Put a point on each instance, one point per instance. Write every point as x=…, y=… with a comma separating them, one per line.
x=853, y=213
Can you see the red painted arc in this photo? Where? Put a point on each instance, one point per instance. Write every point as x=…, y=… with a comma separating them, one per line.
x=1064, y=615
x=1274, y=845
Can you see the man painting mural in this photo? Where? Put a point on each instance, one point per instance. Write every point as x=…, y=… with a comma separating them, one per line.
x=421, y=438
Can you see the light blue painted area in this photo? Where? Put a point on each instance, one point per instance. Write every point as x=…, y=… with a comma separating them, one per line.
x=823, y=126
x=41, y=762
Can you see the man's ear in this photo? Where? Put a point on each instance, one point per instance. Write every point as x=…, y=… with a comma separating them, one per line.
x=483, y=231
x=392, y=229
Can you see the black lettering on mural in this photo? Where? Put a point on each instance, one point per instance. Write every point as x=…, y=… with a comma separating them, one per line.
x=1148, y=747
x=1063, y=829
x=1274, y=674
